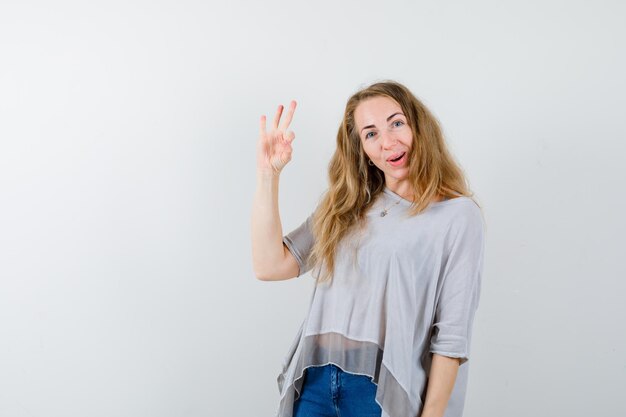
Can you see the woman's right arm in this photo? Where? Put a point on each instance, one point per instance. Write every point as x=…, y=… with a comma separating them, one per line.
x=271, y=259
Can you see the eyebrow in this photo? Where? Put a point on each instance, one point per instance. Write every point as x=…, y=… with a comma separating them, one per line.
x=388, y=118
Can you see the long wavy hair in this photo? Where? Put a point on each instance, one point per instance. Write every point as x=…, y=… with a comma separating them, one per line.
x=354, y=184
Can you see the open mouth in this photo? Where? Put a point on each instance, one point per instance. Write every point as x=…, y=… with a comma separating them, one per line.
x=397, y=158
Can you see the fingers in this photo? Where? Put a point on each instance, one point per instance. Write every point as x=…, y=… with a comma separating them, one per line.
x=287, y=120
x=262, y=127
x=277, y=124
x=279, y=112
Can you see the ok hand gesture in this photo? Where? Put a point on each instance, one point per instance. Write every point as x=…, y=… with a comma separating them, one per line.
x=274, y=147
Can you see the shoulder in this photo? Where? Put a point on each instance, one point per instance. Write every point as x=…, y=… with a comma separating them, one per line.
x=463, y=207
x=463, y=215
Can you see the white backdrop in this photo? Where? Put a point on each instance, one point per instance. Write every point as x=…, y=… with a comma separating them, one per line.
x=127, y=171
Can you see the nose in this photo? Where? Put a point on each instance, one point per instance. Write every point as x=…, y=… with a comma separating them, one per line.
x=389, y=140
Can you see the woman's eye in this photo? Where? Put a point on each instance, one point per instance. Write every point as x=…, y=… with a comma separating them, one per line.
x=398, y=123
x=367, y=135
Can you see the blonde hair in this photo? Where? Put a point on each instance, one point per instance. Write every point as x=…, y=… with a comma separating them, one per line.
x=354, y=184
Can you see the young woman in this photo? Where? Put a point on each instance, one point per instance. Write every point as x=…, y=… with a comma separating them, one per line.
x=396, y=246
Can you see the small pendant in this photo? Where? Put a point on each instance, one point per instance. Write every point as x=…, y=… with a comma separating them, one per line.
x=383, y=213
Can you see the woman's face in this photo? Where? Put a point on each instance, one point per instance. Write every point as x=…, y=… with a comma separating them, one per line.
x=386, y=137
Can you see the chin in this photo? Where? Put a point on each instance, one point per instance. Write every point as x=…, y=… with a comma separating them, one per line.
x=400, y=174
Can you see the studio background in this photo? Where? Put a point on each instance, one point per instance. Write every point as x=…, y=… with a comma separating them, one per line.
x=128, y=132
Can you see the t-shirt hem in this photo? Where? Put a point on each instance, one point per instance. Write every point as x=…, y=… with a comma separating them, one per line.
x=462, y=356
x=294, y=251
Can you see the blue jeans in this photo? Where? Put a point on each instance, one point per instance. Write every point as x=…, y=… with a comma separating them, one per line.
x=328, y=391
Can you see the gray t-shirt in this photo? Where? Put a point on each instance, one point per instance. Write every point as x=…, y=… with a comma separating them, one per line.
x=402, y=288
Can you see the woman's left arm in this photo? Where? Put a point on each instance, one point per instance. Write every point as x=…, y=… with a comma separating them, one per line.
x=440, y=384
x=456, y=305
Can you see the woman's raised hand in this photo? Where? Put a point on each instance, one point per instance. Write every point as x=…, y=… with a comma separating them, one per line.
x=274, y=147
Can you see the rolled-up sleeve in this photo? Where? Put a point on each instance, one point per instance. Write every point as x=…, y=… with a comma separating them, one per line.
x=300, y=243
x=460, y=285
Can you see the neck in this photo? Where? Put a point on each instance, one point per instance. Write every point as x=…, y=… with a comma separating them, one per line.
x=403, y=190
